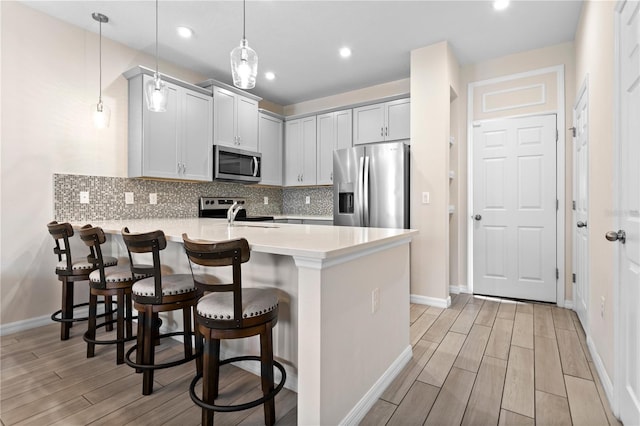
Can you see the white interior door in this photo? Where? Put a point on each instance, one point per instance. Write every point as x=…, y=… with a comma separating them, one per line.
x=628, y=208
x=581, y=204
x=514, y=208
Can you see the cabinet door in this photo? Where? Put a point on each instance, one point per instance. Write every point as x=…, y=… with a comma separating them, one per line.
x=368, y=124
x=197, y=143
x=224, y=116
x=292, y=152
x=247, y=123
x=160, y=151
x=344, y=129
x=309, y=151
x=326, y=141
x=270, y=146
x=397, y=115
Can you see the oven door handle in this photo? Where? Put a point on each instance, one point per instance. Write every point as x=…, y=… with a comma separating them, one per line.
x=255, y=166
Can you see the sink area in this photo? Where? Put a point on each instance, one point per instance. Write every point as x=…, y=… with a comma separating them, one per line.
x=247, y=225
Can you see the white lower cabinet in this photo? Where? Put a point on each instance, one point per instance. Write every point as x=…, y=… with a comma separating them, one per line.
x=175, y=144
x=270, y=146
x=300, y=152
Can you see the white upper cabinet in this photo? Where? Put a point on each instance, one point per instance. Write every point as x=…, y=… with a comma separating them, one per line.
x=300, y=152
x=235, y=120
x=175, y=144
x=382, y=122
x=334, y=131
x=270, y=146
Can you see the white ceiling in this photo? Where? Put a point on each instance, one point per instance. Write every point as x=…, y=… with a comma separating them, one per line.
x=299, y=40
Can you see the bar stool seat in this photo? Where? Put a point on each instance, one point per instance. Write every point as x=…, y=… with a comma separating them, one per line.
x=230, y=311
x=114, y=274
x=171, y=285
x=81, y=265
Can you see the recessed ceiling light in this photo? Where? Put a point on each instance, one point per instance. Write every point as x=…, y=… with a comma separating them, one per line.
x=345, y=52
x=269, y=75
x=500, y=4
x=184, y=32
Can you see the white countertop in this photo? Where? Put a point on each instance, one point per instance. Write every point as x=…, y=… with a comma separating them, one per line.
x=311, y=241
x=302, y=217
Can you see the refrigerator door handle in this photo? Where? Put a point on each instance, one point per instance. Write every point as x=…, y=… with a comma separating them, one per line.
x=366, y=191
x=361, y=191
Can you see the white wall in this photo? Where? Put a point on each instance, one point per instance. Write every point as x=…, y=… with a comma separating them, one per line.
x=594, y=47
x=49, y=81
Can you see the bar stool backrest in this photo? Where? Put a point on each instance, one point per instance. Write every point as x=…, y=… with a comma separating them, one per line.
x=61, y=232
x=147, y=242
x=214, y=254
x=93, y=237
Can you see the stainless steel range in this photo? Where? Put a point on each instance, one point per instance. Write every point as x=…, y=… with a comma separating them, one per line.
x=218, y=208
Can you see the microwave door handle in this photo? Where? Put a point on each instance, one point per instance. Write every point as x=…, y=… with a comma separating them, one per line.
x=366, y=190
x=255, y=166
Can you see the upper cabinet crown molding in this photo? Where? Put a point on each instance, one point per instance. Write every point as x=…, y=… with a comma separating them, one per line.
x=210, y=83
x=129, y=74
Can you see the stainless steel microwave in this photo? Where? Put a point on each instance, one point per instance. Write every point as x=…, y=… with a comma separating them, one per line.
x=236, y=165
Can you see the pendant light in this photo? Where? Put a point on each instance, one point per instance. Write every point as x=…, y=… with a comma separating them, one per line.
x=244, y=61
x=101, y=112
x=156, y=91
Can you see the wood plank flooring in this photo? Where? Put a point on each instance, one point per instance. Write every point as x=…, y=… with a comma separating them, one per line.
x=483, y=361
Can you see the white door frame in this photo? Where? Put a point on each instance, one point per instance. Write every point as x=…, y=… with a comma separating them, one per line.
x=560, y=170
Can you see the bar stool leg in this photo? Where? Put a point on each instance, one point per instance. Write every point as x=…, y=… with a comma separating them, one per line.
x=129, y=323
x=67, y=308
x=148, y=349
x=108, y=309
x=120, y=327
x=266, y=373
x=199, y=343
x=186, y=321
x=142, y=319
x=91, y=327
x=210, y=375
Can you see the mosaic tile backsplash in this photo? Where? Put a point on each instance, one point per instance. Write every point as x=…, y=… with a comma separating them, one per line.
x=175, y=199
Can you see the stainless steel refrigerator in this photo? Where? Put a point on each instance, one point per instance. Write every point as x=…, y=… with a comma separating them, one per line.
x=371, y=186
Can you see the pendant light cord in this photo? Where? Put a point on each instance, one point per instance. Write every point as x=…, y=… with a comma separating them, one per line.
x=100, y=63
x=244, y=17
x=156, y=36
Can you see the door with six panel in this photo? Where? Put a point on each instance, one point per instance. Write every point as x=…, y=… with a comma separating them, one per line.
x=514, y=208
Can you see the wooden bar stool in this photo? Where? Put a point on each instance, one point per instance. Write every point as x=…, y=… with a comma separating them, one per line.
x=70, y=270
x=155, y=294
x=108, y=282
x=231, y=312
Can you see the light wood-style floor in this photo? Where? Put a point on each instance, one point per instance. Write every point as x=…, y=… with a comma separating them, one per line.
x=483, y=361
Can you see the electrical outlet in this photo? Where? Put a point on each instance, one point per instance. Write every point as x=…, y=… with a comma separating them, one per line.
x=128, y=197
x=375, y=300
x=84, y=197
x=602, y=300
x=153, y=198
x=307, y=200
x=266, y=200
x=425, y=198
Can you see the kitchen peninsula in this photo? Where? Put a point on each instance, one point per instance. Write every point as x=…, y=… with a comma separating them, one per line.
x=343, y=329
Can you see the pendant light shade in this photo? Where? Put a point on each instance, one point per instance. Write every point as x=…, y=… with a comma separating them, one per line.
x=244, y=61
x=101, y=113
x=156, y=92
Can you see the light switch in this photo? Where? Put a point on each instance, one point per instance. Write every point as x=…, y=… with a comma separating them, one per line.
x=153, y=198
x=425, y=198
x=307, y=200
x=266, y=200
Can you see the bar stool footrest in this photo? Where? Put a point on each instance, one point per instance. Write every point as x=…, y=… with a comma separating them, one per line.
x=127, y=357
x=108, y=342
x=230, y=408
x=56, y=316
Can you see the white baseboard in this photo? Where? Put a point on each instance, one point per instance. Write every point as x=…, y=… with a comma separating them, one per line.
x=457, y=289
x=568, y=304
x=607, y=384
x=23, y=325
x=363, y=406
x=431, y=301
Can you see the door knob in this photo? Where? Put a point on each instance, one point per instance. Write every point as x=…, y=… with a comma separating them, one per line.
x=616, y=236
x=477, y=217
x=581, y=224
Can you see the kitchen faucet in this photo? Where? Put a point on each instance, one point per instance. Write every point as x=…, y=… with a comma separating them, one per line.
x=233, y=212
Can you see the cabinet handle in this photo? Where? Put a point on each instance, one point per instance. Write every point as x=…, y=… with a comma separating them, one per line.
x=381, y=131
x=386, y=131
x=331, y=176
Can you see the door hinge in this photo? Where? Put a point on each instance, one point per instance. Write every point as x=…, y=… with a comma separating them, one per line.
x=573, y=277
x=557, y=204
x=573, y=131
x=557, y=135
x=574, y=204
x=557, y=274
